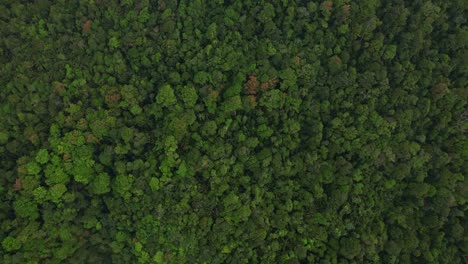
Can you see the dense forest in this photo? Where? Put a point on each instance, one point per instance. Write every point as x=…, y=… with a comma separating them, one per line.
x=242, y=131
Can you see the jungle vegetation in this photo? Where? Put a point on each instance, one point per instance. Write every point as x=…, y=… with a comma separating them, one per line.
x=233, y=131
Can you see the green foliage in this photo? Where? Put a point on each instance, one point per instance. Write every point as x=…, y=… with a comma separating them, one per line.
x=166, y=96
x=273, y=99
x=114, y=42
x=100, y=184
x=40, y=195
x=11, y=244
x=232, y=104
x=233, y=90
x=123, y=184
x=233, y=131
x=42, y=156
x=55, y=174
x=264, y=131
x=154, y=183
x=350, y=247
x=56, y=192
x=82, y=170
x=390, y=52
x=418, y=190
x=127, y=134
x=3, y=138
x=201, y=77
x=26, y=208
x=189, y=96
x=33, y=168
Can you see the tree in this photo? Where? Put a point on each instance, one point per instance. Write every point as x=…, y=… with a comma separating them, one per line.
x=201, y=77
x=166, y=96
x=272, y=99
x=26, y=208
x=11, y=244
x=56, y=192
x=350, y=247
x=100, y=184
x=232, y=104
x=189, y=96
x=3, y=138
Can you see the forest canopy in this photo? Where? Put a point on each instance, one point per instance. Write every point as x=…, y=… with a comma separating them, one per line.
x=164, y=131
